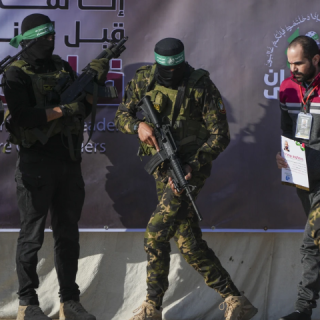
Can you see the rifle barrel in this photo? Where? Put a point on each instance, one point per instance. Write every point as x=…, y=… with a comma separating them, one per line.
x=8, y=60
x=194, y=205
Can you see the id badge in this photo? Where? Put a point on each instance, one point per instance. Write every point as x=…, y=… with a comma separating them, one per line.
x=304, y=122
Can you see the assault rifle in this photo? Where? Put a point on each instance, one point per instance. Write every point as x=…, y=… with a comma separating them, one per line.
x=85, y=81
x=64, y=92
x=168, y=152
x=4, y=63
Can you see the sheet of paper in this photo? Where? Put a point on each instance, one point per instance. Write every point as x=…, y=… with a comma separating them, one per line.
x=297, y=172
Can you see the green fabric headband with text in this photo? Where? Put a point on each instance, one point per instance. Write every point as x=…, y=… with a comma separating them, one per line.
x=33, y=33
x=169, y=60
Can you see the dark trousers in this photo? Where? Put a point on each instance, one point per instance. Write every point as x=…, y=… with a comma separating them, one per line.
x=44, y=184
x=309, y=287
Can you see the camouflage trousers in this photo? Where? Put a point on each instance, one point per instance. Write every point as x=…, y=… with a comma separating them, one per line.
x=175, y=217
x=311, y=204
x=309, y=287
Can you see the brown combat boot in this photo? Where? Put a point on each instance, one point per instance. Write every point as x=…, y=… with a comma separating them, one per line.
x=238, y=308
x=73, y=310
x=31, y=313
x=147, y=312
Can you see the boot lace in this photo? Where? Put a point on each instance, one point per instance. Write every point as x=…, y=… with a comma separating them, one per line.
x=76, y=306
x=230, y=305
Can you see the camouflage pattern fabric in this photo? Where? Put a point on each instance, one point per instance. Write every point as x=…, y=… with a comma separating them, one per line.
x=309, y=286
x=311, y=204
x=208, y=108
x=175, y=217
x=314, y=221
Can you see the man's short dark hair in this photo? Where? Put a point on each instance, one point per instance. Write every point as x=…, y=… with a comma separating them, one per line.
x=309, y=46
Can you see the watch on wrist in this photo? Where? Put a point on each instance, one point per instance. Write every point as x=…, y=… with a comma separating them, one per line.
x=136, y=127
x=64, y=110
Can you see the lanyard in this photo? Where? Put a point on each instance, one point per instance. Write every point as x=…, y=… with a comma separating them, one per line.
x=306, y=103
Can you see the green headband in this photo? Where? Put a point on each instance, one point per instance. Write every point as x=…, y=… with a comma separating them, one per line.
x=33, y=33
x=169, y=60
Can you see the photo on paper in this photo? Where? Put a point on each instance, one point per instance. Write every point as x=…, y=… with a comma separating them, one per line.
x=286, y=146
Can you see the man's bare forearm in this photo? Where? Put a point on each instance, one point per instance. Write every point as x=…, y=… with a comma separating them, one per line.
x=54, y=113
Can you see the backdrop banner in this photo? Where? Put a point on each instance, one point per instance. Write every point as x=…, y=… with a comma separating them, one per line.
x=243, y=46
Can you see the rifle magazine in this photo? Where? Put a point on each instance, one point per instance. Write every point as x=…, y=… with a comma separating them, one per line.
x=154, y=162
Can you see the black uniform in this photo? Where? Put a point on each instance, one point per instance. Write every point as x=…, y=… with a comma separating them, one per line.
x=46, y=179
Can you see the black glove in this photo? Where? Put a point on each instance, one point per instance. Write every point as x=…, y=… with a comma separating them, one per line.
x=73, y=109
x=102, y=67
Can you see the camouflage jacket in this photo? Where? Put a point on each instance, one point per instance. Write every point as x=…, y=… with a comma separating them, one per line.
x=209, y=110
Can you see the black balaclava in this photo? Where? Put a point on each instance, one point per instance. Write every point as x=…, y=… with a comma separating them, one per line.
x=169, y=76
x=40, y=52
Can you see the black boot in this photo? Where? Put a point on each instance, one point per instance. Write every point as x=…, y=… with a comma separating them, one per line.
x=297, y=316
x=73, y=310
x=31, y=313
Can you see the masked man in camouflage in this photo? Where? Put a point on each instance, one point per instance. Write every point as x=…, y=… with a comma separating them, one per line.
x=47, y=177
x=201, y=133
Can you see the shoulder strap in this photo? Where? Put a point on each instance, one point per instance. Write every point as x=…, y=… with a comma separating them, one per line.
x=19, y=64
x=196, y=75
x=190, y=81
x=179, y=100
x=24, y=66
x=152, y=79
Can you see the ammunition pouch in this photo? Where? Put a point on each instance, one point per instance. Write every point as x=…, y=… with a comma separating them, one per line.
x=159, y=100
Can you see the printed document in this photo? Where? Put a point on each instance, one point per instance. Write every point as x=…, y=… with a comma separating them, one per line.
x=297, y=172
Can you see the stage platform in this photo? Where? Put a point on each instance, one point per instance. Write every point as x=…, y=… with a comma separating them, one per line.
x=112, y=269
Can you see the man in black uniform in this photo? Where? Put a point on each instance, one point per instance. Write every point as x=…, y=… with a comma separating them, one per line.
x=46, y=176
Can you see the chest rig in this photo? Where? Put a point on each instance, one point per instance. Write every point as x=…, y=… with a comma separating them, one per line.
x=43, y=88
x=189, y=130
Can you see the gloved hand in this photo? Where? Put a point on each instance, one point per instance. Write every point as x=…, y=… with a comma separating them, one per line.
x=73, y=109
x=102, y=67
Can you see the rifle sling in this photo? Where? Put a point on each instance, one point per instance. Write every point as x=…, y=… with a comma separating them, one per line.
x=179, y=101
x=152, y=78
x=73, y=150
x=94, y=109
x=70, y=144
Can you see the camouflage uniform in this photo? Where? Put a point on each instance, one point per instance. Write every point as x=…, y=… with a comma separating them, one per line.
x=174, y=215
x=309, y=287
